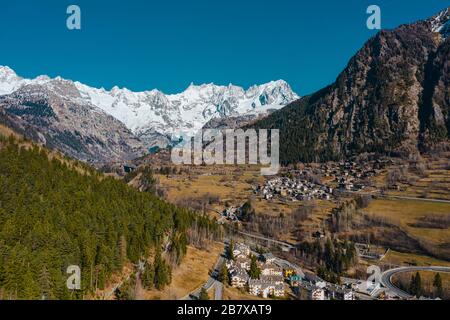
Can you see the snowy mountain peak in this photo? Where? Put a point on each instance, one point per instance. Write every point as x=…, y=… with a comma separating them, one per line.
x=153, y=113
x=440, y=23
x=7, y=74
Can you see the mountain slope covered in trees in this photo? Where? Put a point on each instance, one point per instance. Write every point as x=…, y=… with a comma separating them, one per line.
x=53, y=215
x=393, y=98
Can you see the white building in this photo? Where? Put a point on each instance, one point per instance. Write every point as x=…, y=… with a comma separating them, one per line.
x=270, y=269
x=311, y=292
x=265, y=288
x=239, y=278
x=241, y=249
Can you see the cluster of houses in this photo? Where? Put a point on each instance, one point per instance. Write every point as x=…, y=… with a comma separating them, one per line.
x=311, y=287
x=276, y=274
x=231, y=213
x=295, y=189
x=350, y=175
x=270, y=281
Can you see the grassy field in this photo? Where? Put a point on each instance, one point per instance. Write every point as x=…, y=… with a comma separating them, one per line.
x=230, y=293
x=189, y=275
x=427, y=278
x=433, y=183
x=233, y=186
x=406, y=259
x=405, y=213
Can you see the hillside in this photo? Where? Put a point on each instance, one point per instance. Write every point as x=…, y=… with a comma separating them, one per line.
x=53, y=216
x=393, y=98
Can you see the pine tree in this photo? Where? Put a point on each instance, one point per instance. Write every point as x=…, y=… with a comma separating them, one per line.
x=47, y=223
x=203, y=294
x=254, y=271
x=162, y=272
x=437, y=284
x=148, y=276
x=416, y=287
x=223, y=275
x=230, y=249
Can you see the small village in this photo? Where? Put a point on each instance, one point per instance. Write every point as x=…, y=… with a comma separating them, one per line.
x=296, y=189
x=277, y=278
x=306, y=184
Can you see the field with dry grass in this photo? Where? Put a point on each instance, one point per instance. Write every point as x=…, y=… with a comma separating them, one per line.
x=233, y=186
x=407, y=214
x=230, y=293
x=189, y=275
x=396, y=258
x=427, y=278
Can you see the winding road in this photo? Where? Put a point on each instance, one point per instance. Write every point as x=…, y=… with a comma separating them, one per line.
x=386, y=278
x=211, y=282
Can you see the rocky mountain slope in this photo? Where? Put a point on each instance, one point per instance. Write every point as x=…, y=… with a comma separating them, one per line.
x=393, y=97
x=157, y=118
x=152, y=114
x=51, y=115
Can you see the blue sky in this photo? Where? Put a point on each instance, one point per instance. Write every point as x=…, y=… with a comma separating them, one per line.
x=168, y=44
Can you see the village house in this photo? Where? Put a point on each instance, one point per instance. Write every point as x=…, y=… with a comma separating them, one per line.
x=270, y=269
x=336, y=292
x=295, y=189
x=239, y=278
x=308, y=291
x=241, y=249
x=265, y=287
x=231, y=213
x=268, y=257
x=294, y=280
x=315, y=280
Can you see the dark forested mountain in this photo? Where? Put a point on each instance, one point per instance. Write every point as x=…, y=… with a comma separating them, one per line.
x=56, y=212
x=393, y=97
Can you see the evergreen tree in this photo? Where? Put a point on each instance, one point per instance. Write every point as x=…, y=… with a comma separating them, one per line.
x=437, y=284
x=56, y=212
x=254, y=271
x=416, y=287
x=230, y=249
x=224, y=275
x=203, y=294
x=148, y=276
x=162, y=272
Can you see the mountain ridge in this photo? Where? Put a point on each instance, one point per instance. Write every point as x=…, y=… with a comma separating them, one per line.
x=392, y=98
x=167, y=115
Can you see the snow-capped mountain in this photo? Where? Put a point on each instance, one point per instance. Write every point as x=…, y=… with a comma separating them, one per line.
x=157, y=118
x=440, y=23
x=152, y=113
x=52, y=114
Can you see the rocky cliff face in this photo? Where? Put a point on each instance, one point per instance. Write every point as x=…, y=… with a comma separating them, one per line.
x=393, y=97
x=80, y=130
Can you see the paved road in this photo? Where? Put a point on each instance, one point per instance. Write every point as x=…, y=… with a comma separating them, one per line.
x=387, y=196
x=386, y=278
x=416, y=199
x=285, y=244
x=218, y=291
x=210, y=282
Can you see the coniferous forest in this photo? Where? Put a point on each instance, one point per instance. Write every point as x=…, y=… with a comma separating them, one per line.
x=55, y=213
